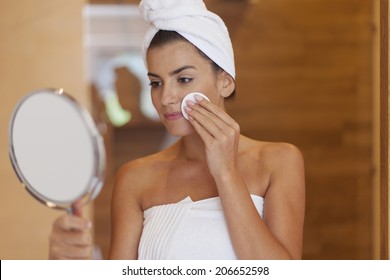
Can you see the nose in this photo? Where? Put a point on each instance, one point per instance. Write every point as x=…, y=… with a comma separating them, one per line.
x=169, y=96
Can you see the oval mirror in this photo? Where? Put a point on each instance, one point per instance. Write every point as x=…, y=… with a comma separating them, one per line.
x=56, y=150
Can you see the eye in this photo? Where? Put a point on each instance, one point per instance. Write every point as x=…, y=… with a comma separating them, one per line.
x=155, y=84
x=184, y=80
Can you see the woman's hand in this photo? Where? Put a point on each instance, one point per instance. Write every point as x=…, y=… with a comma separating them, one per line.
x=219, y=132
x=71, y=238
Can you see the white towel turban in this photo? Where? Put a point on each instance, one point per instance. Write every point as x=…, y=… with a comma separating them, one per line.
x=192, y=20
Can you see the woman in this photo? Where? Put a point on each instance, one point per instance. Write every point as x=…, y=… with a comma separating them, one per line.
x=214, y=194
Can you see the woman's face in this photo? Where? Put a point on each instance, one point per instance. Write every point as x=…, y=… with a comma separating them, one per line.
x=176, y=69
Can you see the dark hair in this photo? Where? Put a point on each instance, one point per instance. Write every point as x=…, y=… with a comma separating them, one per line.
x=164, y=37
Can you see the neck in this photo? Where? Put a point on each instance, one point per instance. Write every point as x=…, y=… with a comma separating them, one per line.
x=192, y=148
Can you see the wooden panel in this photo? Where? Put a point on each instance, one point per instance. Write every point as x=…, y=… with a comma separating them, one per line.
x=40, y=46
x=384, y=84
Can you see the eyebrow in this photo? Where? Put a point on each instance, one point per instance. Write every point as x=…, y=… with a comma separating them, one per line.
x=174, y=72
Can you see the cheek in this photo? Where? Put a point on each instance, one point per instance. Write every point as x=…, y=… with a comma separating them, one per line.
x=213, y=94
x=155, y=101
x=211, y=86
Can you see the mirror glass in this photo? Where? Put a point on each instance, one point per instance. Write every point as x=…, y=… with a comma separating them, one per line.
x=56, y=149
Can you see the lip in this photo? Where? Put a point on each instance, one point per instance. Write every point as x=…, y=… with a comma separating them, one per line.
x=173, y=116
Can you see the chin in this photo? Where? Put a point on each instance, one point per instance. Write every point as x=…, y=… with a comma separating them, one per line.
x=180, y=130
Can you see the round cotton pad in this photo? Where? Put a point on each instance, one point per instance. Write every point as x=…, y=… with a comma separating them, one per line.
x=190, y=97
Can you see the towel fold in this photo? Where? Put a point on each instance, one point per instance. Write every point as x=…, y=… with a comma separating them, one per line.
x=192, y=20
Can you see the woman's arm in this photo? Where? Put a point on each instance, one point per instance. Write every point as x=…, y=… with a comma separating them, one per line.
x=126, y=215
x=279, y=235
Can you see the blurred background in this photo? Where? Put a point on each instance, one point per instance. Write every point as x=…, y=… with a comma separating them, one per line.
x=307, y=73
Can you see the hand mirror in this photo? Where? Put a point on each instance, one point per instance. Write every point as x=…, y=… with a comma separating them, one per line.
x=56, y=150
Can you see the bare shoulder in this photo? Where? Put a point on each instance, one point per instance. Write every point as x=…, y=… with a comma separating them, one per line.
x=126, y=208
x=272, y=154
x=286, y=169
x=127, y=192
x=279, y=154
x=134, y=176
x=138, y=177
x=286, y=164
x=274, y=164
x=128, y=174
x=284, y=209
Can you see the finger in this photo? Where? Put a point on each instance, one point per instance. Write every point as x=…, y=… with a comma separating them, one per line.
x=226, y=123
x=201, y=130
x=202, y=118
x=70, y=240
x=77, y=208
x=71, y=252
x=203, y=124
x=74, y=238
x=70, y=245
x=71, y=222
x=215, y=110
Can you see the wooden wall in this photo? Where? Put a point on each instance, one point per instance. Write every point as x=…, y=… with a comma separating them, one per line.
x=40, y=46
x=304, y=76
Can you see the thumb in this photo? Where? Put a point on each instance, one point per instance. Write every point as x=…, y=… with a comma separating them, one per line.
x=77, y=208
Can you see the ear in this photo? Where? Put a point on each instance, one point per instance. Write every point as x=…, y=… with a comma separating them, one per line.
x=227, y=84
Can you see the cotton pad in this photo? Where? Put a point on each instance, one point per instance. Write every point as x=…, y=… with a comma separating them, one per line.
x=190, y=97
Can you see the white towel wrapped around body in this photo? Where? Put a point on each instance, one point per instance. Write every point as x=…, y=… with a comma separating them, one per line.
x=192, y=20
